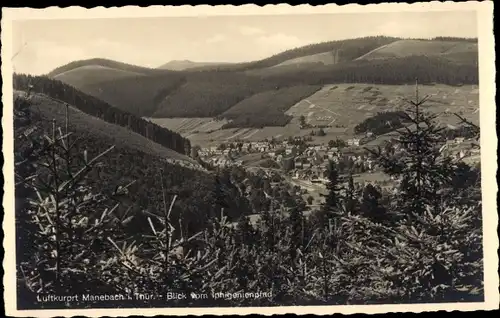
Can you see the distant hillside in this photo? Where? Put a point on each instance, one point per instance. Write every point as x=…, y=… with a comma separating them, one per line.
x=404, y=48
x=210, y=92
x=84, y=124
x=177, y=65
x=347, y=51
x=267, y=108
x=83, y=75
x=327, y=58
x=140, y=95
x=394, y=71
x=95, y=107
x=105, y=63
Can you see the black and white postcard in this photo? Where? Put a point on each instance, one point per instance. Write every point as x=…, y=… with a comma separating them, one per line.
x=246, y=159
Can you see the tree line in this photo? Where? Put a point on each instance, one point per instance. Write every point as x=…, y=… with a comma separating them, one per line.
x=381, y=123
x=95, y=107
x=395, y=71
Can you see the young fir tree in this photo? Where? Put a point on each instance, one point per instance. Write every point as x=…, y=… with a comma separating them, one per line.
x=297, y=229
x=332, y=198
x=420, y=167
x=219, y=196
x=329, y=216
x=350, y=195
x=245, y=232
x=370, y=204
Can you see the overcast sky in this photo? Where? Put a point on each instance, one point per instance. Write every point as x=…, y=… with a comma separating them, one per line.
x=42, y=45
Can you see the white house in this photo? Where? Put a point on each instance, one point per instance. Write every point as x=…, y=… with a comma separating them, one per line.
x=353, y=142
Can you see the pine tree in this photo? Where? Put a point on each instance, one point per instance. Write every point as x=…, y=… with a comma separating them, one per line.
x=297, y=229
x=332, y=200
x=245, y=233
x=370, y=204
x=218, y=196
x=421, y=168
x=350, y=195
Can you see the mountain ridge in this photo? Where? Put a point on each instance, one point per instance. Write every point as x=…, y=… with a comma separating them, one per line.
x=210, y=91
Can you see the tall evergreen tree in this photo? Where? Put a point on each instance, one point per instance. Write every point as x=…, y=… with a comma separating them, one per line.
x=297, y=229
x=350, y=195
x=420, y=167
x=245, y=232
x=331, y=205
x=218, y=196
x=370, y=204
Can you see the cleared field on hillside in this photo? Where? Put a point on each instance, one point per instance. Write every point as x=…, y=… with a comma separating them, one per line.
x=93, y=74
x=404, y=48
x=187, y=126
x=204, y=139
x=86, y=125
x=344, y=106
x=326, y=58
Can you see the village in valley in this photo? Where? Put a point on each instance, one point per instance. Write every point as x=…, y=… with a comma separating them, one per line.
x=305, y=163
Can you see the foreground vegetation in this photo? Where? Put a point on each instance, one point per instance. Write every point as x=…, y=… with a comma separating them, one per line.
x=421, y=242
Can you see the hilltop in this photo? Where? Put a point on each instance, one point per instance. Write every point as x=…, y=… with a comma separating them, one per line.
x=104, y=63
x=231, y=91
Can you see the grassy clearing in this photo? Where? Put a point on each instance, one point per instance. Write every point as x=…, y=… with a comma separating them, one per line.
x=93, y=74
x=403, y=48
x=349, y=104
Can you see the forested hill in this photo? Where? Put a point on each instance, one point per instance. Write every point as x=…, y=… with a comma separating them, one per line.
x=106, y=63
x=348, y=50
x=213, y=92
x=96, y=107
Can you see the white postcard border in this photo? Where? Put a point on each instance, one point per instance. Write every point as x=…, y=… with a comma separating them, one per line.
x=488, y=148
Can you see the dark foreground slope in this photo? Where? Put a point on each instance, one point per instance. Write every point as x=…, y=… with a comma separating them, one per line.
x=134, y=159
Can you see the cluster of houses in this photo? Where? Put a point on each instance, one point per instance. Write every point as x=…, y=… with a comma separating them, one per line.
x=237, y=148
x=461, y=147
x=314, y=165
x=227, y=156
x=307, y=162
